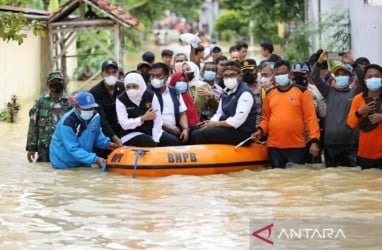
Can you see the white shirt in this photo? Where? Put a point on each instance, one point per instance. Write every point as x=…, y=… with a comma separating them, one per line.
x=168, y=113
x=244, y=105
x=132, y=123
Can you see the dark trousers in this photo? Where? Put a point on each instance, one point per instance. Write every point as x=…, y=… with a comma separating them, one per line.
x=218, y=135
x=340, y=155
x=168, y=139
x=142, y=140
x=145, y=140
x=367, y=163
x=279, y=158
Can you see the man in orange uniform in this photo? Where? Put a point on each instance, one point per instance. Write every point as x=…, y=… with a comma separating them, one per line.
x=366, y=112
x=287, y=110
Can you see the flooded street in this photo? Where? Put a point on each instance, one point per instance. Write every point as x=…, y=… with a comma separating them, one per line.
x=42, y=208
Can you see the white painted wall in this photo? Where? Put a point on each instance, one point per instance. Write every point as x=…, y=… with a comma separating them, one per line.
x=366, y=26
x=20, y=69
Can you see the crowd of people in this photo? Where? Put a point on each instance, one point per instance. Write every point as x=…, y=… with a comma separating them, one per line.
x=303, y=111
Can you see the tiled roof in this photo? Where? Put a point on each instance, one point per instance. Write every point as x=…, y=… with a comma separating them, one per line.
x=111, y=10
x=28, y=13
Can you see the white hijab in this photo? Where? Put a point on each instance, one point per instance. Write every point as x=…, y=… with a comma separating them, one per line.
x=136, y=78
x=195, y=69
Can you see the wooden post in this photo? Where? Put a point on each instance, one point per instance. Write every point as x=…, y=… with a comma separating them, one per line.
x=123, y=46
x=117, y=45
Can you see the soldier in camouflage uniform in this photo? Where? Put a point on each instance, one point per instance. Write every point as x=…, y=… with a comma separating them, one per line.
x=44, y=115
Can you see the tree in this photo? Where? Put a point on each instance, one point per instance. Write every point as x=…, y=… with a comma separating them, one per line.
x=14, y=25
x=334, y=29
x=149, y=10
x=229, y=25
x=266, y=14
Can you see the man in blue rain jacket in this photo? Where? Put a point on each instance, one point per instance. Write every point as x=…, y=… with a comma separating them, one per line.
x=77, y=132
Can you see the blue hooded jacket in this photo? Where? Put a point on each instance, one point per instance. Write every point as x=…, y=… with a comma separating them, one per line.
x=73, y=141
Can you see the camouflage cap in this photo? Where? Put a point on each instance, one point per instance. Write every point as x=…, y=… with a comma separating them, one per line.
x=55, y=75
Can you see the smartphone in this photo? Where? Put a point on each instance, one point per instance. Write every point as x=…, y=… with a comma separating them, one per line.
x=369, y=99
x=337, y=56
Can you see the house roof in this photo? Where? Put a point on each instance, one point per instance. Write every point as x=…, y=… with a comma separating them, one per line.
x=28, y=13
x=111, y=10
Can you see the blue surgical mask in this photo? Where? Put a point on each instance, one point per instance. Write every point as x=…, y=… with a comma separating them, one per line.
x=374, y=83
x=342, y=81
x=86, y=114
x=181, y=87
x=209, y=75
x=282, y=80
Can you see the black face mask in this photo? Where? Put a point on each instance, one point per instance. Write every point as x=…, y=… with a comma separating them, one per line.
x=249, y=78
x=56, y=87
x=190, y=75
x=300, y=80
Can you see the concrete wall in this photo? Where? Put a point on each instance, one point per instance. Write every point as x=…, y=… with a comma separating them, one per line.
x=24, y=68
x=21, y=68
x=366, y=26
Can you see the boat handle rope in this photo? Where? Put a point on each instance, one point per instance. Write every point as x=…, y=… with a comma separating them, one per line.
x=138, y=153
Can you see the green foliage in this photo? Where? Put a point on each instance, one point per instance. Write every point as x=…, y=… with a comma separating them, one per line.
x=266, y=15
x=229, y=20
x=14, y=25
x=149, y=10
x=335, y=30
x=4, y=114
x=297, y=45
x=9, y=113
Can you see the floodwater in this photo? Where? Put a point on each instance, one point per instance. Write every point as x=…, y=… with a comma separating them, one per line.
x=43, y=208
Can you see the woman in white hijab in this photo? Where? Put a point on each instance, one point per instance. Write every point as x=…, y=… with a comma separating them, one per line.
x=138, y=112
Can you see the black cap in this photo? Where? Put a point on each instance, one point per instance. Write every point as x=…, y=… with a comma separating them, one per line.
x=248, y=64
x=143, y=64
x=109, y=63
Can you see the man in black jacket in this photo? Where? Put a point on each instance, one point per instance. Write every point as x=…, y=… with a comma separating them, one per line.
x=105, y=94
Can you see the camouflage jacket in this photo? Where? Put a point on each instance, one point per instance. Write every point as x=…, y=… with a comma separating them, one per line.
x=44, y=115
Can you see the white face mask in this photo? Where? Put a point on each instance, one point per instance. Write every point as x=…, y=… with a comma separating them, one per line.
x=265, y=80
x=111, y=80
x=133, y=93
x=86, y=114
x=231, y=82
x=157, y=83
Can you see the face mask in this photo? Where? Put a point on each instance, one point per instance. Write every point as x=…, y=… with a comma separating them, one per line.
x=342, y=81
x=265, y=80
x=181, y=87
x=374, y=83
x=209, y=75
x=56, y=87
x=157, y=83
x=249, y=78
x=300, y=80
x=190, y=75
x=231, y=82
x=111, y=80
x=282, y=80
x=86, y=114
x=133, y=93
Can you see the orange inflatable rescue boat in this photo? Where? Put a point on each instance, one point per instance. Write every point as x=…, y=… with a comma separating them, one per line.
x=186, y=160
